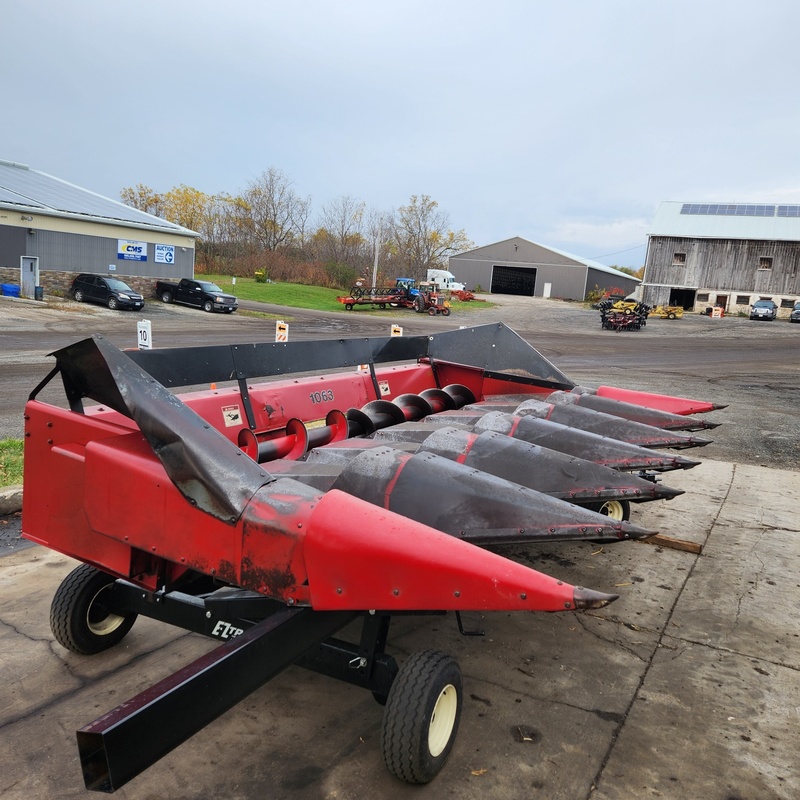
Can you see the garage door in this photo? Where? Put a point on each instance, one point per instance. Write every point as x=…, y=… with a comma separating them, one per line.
x=513, y=280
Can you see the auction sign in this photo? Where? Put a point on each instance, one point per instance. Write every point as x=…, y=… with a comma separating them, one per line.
x=131, y=251
x=165, y=254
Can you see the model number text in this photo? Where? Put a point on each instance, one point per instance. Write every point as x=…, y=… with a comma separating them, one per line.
x=325, y=396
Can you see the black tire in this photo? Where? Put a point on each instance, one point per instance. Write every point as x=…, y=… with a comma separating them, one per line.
x=421, y=718
x=671, y=315
x=113, y=303
x=208, y=306
x=419, y=305
x=446, y=311
x=79, y=618
x=348, y=306
x=166, y=297
x=382, y=306
x=78, y=296
x=615, y=509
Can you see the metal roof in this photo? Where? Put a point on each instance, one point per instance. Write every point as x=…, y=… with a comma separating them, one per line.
x=722, y=221
x=28, y=191
x=588, y=262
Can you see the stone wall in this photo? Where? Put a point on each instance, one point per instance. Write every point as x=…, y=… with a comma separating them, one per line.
x=57, y=284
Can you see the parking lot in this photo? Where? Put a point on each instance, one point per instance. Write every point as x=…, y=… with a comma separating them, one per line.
x=688, y=686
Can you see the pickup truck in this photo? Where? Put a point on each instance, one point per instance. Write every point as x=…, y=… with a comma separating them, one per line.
x=203, y=294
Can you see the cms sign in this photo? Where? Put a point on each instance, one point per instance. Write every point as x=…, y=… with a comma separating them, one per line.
x=131, y=251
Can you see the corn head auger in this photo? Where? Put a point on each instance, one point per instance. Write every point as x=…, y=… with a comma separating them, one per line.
x=274, y=511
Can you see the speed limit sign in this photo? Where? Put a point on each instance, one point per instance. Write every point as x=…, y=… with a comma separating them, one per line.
x=145, y=334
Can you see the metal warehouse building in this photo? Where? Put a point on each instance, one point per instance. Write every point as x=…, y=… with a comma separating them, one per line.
x=50, y=230
x=706, y=254
x=518, y=266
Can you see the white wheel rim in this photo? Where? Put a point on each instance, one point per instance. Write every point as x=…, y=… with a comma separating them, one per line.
x=613, y=509
x=442, y=720
x=102, y=627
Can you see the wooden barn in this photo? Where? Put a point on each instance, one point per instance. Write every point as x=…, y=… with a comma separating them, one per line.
x=519, y=266
x=707, y=254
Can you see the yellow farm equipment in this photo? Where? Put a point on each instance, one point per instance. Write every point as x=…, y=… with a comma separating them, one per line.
x=667, y=312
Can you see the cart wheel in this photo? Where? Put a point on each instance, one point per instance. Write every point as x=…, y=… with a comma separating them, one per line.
x=616, y=509
x=421, y=716
x=348, y=306
x=382, y=306
x=79, y=618
x=671, y=315
x=446, y=312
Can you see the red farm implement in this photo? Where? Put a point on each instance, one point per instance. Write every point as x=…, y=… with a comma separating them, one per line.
x=275, y=510
x=380, y=296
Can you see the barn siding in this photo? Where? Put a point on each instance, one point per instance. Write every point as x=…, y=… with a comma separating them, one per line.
x=721, y=266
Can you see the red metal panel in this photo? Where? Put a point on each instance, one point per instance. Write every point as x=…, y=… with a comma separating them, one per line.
x=384, y=561
x=54, y=479
x=663, y=402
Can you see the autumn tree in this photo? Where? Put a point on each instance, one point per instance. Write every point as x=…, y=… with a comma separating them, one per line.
x=187, y=207
x=423, y=237
x=142, y=197
x=266, y=227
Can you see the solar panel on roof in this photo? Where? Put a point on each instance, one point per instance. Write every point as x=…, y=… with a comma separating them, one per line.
x=731, y=209
x=789, y=211
x=19, y=185
x=7, y=196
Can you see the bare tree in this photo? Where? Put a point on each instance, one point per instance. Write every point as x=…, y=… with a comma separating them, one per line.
x=339, y=237
x=277, y=215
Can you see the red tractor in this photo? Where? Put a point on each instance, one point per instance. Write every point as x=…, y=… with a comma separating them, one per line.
x=432, y=300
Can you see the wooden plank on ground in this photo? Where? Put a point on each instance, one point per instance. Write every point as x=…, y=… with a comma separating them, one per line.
x=675, y=544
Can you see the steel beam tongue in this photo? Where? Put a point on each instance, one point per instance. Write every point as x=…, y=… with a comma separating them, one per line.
x=615, y=427
x=584, y=444
x=211, y=472
x=619, y=408
x=470, y=504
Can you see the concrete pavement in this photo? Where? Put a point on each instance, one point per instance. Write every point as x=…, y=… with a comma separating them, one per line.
x=687, y=687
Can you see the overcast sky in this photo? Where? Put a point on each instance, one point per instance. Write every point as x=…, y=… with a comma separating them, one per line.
x=562, y=121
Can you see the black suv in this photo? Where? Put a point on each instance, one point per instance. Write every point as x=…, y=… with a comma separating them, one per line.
x=111, y=292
